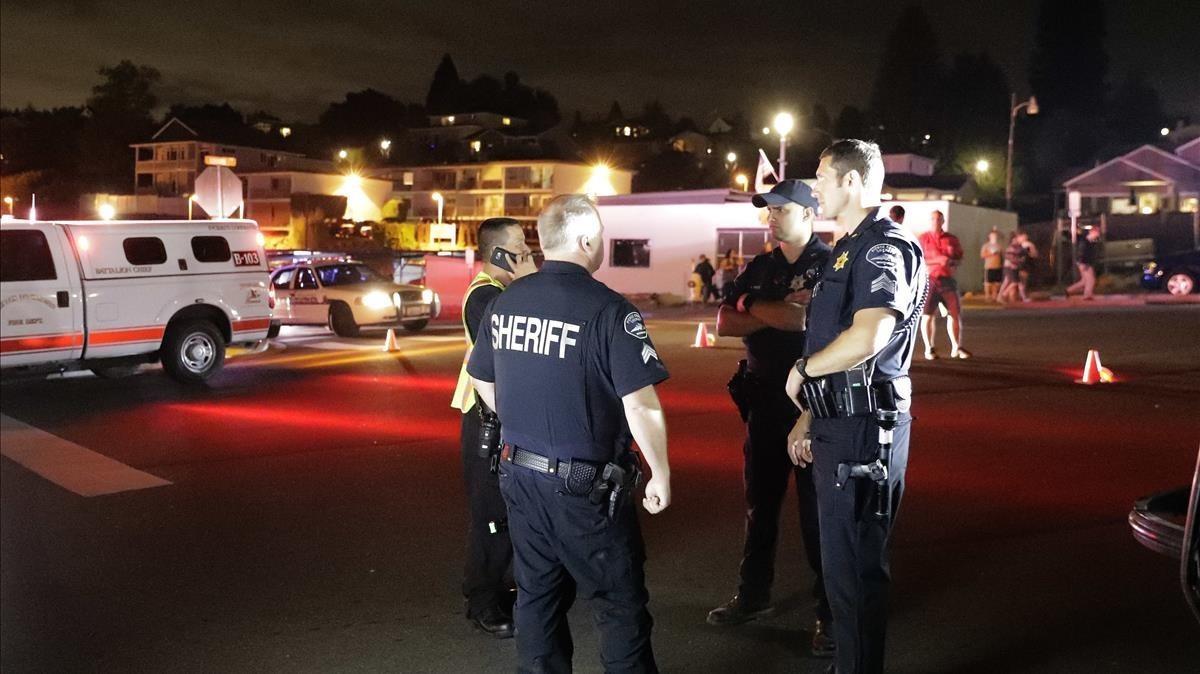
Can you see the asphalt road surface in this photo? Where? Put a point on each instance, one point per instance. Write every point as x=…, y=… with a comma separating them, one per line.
x=304, y=513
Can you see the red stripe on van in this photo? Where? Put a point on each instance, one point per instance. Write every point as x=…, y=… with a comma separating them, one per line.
x=66, y=340
x=153, y=334
x=251, y=324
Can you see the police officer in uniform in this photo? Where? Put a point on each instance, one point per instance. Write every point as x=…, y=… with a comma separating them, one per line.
x=487, y=578
x=853, y=382
x=570, y=369
x=765, y=306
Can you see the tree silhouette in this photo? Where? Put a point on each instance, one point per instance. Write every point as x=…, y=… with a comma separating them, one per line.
x=445, y=91
x=904, y=99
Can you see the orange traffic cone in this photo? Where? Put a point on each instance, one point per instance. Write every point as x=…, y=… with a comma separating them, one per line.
x=391, y=343
x=703, y=339
x=1093, y=371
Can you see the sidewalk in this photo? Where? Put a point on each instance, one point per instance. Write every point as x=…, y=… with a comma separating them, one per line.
x=1042, y=300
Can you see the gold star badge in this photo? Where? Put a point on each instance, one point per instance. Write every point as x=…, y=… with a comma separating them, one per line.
x=841, y=261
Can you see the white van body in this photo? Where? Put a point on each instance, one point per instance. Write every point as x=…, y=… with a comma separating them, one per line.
x=111, y=295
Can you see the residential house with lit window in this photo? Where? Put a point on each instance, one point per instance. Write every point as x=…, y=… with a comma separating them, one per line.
x=168, y=163
x=1144, y=181
x=1148, y=193
x=910, y=177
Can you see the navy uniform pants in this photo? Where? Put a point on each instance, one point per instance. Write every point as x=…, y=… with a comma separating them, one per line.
x=767, y=472
x=487, y=578
x=853, y=543
x=564, y=546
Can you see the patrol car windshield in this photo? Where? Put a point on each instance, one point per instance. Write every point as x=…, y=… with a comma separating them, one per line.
x=347, y=274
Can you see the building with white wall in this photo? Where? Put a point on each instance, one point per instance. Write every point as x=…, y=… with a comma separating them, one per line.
x=653, y=239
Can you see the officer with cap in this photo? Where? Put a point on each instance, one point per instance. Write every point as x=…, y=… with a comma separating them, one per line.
x=766, y=308
x=487, y=577
x=853, y=385
x=569, y=367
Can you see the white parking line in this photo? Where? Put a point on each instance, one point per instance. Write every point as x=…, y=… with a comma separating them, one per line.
x=68, y=465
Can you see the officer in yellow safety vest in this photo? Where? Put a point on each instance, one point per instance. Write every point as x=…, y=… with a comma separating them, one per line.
x=487, y=579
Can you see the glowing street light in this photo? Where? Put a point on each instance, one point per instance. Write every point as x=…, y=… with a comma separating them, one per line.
x=385, y=146
x=742, y=181
x=783, y=126
x=285, y=131
x=1032, y=106
x=106, y=211
x=982, y=166
x=731, y=157
x=766, y=130
x=343, y=154
x=441, y=201
x=1164, y=131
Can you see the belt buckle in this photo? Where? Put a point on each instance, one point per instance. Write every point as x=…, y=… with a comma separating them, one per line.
x=506, y=452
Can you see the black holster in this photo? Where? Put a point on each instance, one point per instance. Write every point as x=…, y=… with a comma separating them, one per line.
x=617, y=480
x=741, y=386
x=886, y=417
x=489, y=436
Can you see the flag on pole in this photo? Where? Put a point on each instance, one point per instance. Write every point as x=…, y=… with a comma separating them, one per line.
x=764, y=169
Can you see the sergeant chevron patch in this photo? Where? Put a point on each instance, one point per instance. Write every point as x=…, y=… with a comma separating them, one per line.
x=648, y=352
x=882, y=282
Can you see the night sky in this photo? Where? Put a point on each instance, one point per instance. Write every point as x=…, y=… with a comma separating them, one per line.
x=293, y=59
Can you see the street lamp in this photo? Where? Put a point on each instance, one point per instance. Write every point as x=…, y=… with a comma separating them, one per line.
x=437, y=196
x=1012, y=124
x=106, y=211
x=982, y=166
x=742, y=181
x=731, y=157
x=385, y=146
x=343, y=154
x=1164, y=131
x=783, y=125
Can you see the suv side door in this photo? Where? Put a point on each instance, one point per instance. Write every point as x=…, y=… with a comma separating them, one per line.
x=41, y=304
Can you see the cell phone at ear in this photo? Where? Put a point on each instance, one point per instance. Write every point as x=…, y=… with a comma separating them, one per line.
x=502, y=259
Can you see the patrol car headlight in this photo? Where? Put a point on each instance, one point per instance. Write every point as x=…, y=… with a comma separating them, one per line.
x=427, y=296
x=377, y=300
x=396, y=299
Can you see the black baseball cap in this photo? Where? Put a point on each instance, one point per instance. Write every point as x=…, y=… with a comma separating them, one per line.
x=786, y=191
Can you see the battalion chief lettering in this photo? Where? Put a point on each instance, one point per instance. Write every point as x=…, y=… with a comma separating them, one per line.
x=532, y=335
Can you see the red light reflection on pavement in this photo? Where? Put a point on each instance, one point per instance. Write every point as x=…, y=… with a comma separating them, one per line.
x=380, y=425
x=422, y=382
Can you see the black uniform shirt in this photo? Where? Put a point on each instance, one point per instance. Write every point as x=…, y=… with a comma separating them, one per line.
x=879, y=265
x=477, y=303
x=769, y=276
x=562, y=349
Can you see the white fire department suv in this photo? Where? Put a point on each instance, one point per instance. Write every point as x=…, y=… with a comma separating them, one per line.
x=111, y=295
x=346, y=296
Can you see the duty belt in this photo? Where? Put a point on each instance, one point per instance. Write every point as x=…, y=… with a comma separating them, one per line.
x=592, y=479
x=843, y=394
x=533, y=461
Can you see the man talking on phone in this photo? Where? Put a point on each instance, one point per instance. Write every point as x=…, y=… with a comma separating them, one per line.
x=487, y=578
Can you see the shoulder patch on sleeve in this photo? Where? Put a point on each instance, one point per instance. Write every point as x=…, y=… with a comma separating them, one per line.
x=634, y=325
x=885, y=256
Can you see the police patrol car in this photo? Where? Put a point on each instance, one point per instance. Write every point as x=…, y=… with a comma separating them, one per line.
x=347, y=296
x=109, y=296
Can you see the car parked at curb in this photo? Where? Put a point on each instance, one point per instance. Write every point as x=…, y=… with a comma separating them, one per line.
x=1176, y=273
